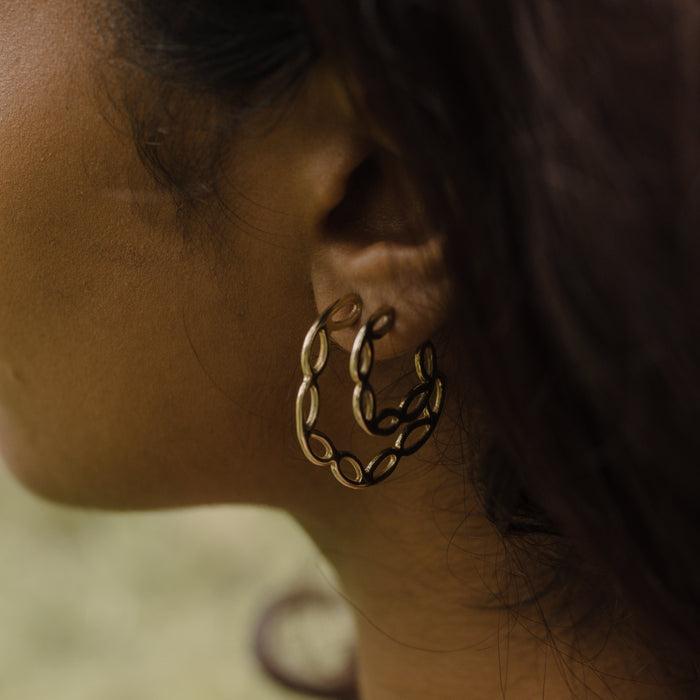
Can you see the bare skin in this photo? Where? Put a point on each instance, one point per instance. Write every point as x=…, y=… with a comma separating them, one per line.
x=140, y=370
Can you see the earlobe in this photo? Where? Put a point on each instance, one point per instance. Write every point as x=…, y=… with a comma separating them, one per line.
x=408, y=277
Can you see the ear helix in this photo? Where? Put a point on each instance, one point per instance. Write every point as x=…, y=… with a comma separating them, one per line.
x=414, y=419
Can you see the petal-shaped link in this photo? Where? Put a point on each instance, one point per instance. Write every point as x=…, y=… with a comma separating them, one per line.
x=314, y=368
x=364, y=406
x=424, y=427
x=361, y=357
x=383, y=465
x=328, y=454
x=413, y=406
x=351, y=305
x=387, y=422
x=425, y=362
x=435, y=401
x=339, y=469
x=381, y=322
x=308, y=390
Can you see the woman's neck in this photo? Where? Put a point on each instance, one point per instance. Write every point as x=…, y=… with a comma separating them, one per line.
x=423, y=580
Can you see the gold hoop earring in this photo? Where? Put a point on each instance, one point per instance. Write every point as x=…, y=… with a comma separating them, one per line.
x=415, y=418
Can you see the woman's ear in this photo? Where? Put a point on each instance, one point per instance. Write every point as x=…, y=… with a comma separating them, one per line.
x=376, y=243
x=342, y=193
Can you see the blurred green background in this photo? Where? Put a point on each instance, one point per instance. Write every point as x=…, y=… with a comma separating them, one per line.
x=148, y=606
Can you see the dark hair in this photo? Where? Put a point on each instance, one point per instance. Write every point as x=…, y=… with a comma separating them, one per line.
x=557, y=144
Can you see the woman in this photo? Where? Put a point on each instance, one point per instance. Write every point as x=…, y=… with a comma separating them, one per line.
x=185, y=188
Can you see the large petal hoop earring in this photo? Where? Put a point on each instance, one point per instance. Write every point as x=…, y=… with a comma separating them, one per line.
x=414, y=419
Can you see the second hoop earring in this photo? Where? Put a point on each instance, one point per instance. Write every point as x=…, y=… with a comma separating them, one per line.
x=414, y=420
